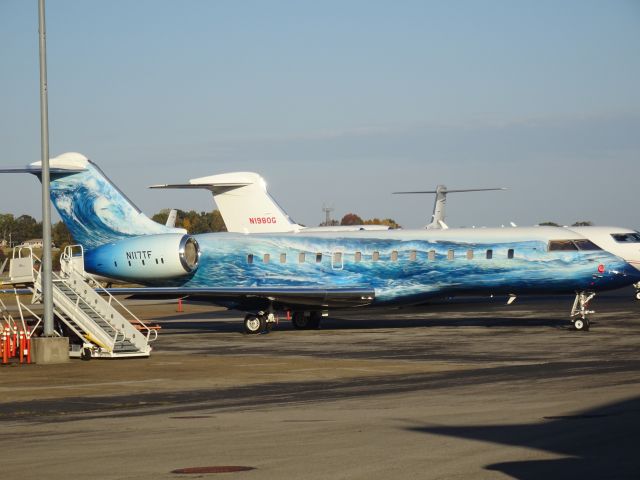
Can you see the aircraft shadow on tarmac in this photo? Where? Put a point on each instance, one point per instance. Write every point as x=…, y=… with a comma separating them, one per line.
x=601, y=443
x=552, y=312
x=201, y=323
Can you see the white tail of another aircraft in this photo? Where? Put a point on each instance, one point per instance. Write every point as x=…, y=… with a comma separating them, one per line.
x=437, y=219
x=243, y=201
x=171, y=218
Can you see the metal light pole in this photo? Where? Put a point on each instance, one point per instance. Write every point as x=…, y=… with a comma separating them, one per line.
x=45, y=268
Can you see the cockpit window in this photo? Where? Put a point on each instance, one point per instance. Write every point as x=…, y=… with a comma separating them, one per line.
x=561, y=245
x=573, y=245
x=626, y=237
x=586, y=245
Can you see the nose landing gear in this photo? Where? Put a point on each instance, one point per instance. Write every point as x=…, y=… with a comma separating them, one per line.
x=580, y=313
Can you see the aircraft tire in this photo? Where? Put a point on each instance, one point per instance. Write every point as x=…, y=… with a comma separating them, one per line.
x=581, y=325
x=314, y=320
x=300, y=321
x=85, y=354
x=638, y=295
x=253, y=324
x=306, y=320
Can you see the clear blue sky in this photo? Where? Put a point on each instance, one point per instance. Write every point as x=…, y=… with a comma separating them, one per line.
x=338, y=102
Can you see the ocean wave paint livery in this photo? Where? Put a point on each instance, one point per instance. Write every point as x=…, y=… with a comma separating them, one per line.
x=225, y=262
x=95, y=211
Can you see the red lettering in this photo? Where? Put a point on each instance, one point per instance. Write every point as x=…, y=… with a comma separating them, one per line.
x=262, y=220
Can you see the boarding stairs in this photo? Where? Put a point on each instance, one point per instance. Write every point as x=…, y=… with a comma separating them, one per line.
x=87, y=309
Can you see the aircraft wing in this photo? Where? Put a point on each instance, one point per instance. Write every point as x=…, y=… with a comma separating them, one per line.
x=260, y=297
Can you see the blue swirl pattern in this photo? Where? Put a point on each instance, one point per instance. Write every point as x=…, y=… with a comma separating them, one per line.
x=224, y=263
x=96, y=212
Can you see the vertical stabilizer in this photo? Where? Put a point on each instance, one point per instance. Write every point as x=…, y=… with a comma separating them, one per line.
x=94, y=210
x=243, y=201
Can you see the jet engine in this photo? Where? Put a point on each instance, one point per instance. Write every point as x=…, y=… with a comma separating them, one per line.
x=146, y=259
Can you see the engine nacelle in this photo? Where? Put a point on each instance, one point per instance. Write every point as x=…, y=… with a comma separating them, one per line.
x=145, y=259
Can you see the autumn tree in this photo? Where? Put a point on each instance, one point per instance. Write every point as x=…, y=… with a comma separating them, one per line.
x=194, y=222
x=389, y=222
x=351, y=219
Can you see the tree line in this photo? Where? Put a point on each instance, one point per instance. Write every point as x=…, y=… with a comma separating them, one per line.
x=17, y=230
x=354, y=219
x=194, y=222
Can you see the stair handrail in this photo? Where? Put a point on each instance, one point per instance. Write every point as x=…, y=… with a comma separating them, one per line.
x=66, y=258
x=76, y=304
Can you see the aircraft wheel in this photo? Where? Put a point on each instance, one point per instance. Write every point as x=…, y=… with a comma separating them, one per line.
x=581, y=325
x=638, y=295
x=253, y=324
x=300, y=321
x=314, y=320
x=85, y=354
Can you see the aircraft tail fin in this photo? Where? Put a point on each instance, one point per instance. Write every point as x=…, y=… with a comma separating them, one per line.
x=91, y=206
x=244, y=202
x=437, y=219
x=171, y=218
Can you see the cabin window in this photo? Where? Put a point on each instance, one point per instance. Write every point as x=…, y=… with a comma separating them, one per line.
x=318, y=257
x=450, y=255
x=413, y=255
x=394, y=256
x=142, y=262
x=586, y=245
x=115, y=264
x=337, y=258
x=469, y=254
x=489, y=254
x=250, y=258
x=510, y=253
x=162, y=261
x=283, y=258
x=266, y=258
x=156, y=261
x=626, y=237
x=358, y=256
x=562, y=245
x=432, y=255
x=376, y=256
x=129, y=262
x=301, y=257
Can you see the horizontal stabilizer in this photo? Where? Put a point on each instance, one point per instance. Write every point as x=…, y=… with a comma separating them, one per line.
x=455, y=191
x=38, y=169
x=214, y=187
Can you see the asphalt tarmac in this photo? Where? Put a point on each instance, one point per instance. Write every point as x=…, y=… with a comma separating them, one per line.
x=454, y=390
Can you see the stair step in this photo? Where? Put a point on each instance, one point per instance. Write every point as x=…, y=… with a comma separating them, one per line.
x=94, y=317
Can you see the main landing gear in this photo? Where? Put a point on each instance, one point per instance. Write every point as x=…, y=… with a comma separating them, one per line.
x=306, y=320
x=580, y=312
x=261, y=322
x=637, y=286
